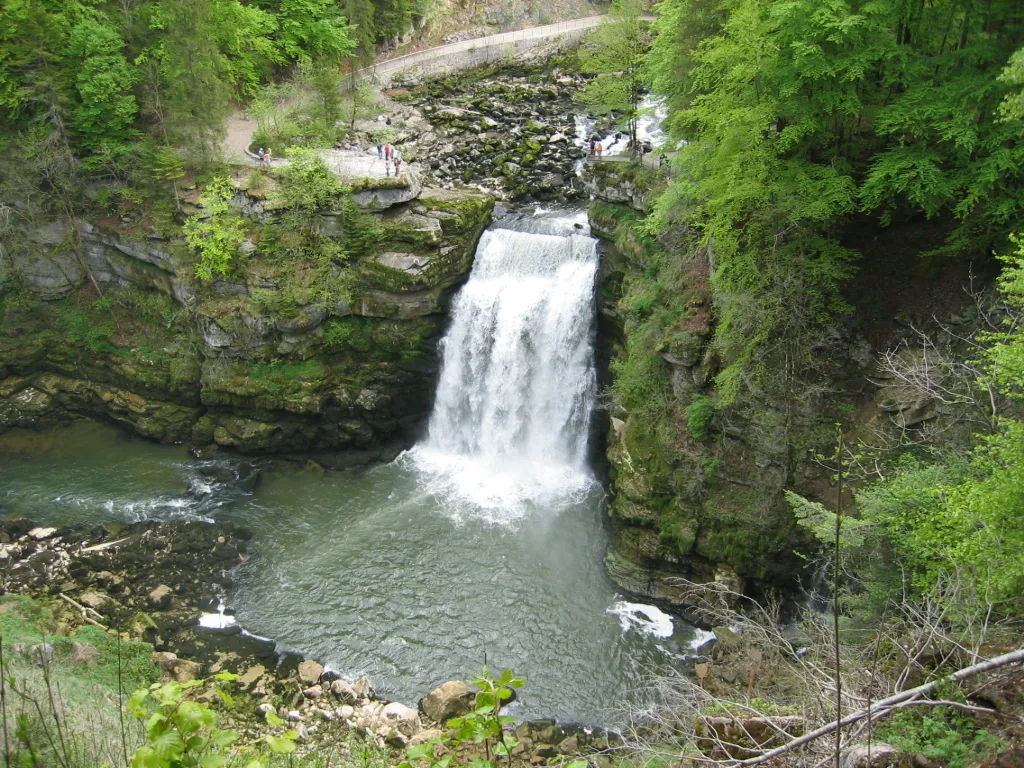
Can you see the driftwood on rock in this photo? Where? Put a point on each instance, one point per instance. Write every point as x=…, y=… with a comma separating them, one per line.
x=883, y=707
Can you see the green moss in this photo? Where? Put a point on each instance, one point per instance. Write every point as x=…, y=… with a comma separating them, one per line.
x=278, y=376
x=28, y=621
x=372, y=339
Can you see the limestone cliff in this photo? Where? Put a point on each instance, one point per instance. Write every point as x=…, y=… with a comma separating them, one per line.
x=107, y=320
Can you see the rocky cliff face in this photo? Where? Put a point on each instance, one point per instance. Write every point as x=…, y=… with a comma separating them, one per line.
x=260, y=362
x=512, y=132
x=696, y=487
x=688, y=506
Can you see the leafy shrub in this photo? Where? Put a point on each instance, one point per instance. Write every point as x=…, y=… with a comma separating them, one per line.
x=940, y=734
x=699, y=414
x=216, y=234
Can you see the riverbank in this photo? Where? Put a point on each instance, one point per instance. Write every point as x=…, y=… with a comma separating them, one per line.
x=162, y=584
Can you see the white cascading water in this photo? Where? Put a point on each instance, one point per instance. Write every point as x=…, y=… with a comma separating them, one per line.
x=511, y=417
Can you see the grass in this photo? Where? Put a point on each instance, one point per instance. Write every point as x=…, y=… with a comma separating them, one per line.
x=66, y=713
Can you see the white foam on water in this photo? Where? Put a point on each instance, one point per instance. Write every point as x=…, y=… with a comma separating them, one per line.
x=509, y=430
x=216, y=620
x=645, y=619
x=654, y=112
x=700, y=636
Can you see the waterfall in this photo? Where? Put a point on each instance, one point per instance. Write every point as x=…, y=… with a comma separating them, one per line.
x=511, y=416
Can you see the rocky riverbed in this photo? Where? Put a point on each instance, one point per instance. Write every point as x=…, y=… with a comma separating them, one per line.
x=513, y=133
x=163, y=584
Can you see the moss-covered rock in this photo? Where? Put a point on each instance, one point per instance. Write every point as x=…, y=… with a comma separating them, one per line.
x=287, y=353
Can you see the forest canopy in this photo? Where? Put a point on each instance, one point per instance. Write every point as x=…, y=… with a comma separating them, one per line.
x=797, y=115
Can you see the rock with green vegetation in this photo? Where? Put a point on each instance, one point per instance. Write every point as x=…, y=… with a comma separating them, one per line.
x=318, y=335
x=696, y=492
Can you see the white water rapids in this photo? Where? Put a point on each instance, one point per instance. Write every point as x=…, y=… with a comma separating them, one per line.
x=511, y=418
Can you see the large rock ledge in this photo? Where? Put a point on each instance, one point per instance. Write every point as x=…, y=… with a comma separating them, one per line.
x=253, y=372
x=154, y=582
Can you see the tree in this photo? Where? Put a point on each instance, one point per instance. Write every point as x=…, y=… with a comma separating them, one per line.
x=245, y=34
x=614, y=54
x=798, y=115
x=313, y=28
x=185, y=75
x=106, y=107
x=392, y=18
x=216, y=234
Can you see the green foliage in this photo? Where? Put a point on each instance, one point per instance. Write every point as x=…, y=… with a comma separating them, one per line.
x=366, y=338
x=614, y=55
x=699, y=415
x=87, y=327
x=309, y=186
x=483, y=725
x=798, y=116
x=180, y=733
x=245, y=34
x=312, y=29
x=941, y=734
x=279, y=377
x=217, y=233
x=324, y=78
x=106, y=106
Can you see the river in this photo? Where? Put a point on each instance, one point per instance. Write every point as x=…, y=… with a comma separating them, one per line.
x=487, y=538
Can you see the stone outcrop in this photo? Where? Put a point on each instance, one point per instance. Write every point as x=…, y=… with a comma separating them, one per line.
x=452, y=699
x=614, y=181
x=255, y=362
x=688, y=510
x=512, y=134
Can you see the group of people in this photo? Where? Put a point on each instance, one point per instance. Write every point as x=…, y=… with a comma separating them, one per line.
x=391, y=157
x=596, y=148
x=264, y=156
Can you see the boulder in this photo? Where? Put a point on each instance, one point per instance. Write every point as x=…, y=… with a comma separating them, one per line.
x=85, y=654
x=160, y=597
x=880, y=755
x=185, y=671
x=313, y=692
x=362, y=688
x=344, y=691
x=310, y=672
x=41, y=654
x=94, y=600
x=405, y=719
x=452, y=699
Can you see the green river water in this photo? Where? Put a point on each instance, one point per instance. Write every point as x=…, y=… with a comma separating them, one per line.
x=371, y=573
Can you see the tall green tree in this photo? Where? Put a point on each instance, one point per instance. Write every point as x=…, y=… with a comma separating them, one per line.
x=105, y=106
x=392, y=18
x=313, y=28
x=614, y=55
x=799, y=114
x=185, y=88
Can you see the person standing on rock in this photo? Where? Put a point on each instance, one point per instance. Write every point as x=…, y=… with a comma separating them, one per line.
x=259, y=154
x=266, y=157
x=600, y=149
x=398, y=166
x=380, y=150
x=593, y=147
x=387, y=152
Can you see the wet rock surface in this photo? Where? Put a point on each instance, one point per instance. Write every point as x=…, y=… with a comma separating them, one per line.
x=153, y=582
x=511, y=133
